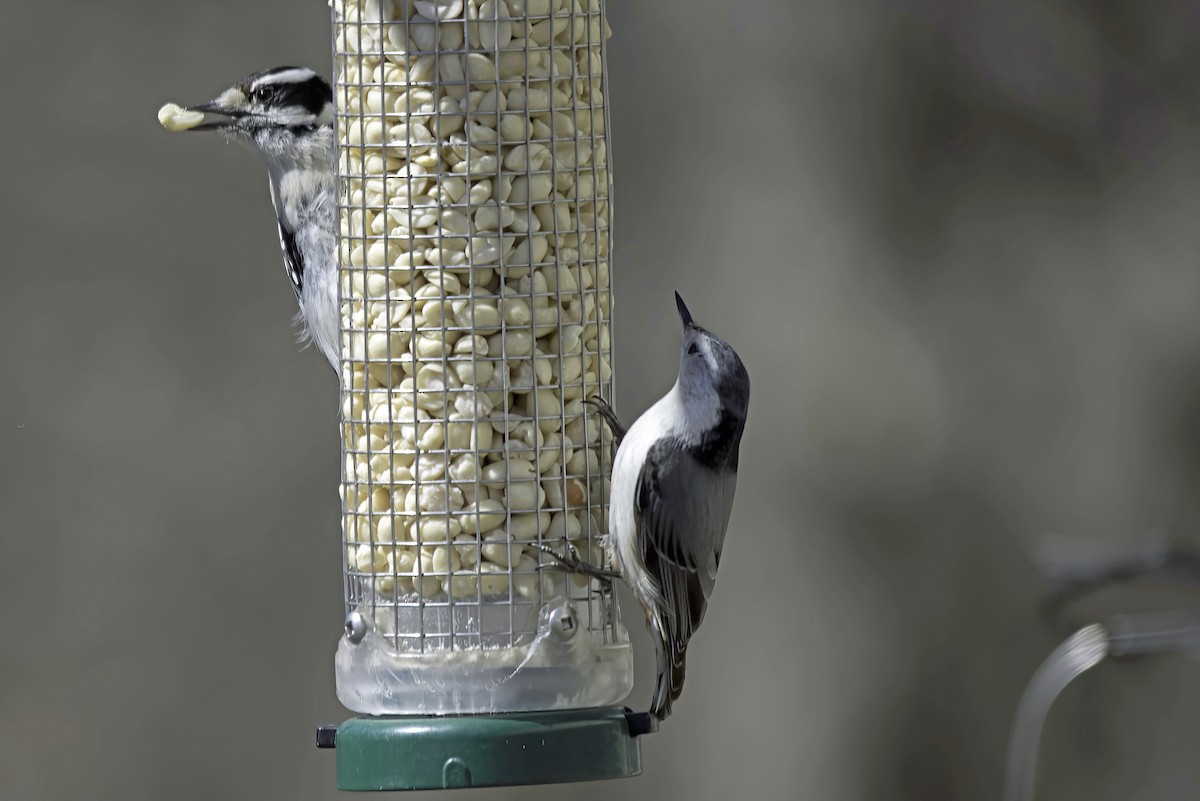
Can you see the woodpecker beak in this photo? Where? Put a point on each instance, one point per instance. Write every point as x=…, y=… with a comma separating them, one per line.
x=684, y=315
x=208, y=117
x=213, y=116
x=223, y=113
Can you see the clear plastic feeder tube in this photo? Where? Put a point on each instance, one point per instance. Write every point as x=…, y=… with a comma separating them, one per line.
x=475, y=312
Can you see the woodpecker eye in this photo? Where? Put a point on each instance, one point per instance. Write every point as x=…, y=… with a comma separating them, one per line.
x=693, y=349
x=259, y=95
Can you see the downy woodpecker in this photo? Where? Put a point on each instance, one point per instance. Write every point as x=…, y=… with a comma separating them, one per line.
x=286, y=114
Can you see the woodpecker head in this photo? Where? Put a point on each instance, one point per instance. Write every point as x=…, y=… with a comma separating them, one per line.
x=283, y=99
x=285, y=113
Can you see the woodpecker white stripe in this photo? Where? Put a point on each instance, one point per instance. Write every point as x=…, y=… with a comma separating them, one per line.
x=298, y=75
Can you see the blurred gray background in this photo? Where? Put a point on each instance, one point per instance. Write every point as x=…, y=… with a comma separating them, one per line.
x=956, y=243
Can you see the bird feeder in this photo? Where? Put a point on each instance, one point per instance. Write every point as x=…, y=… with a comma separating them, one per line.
x=475, y=298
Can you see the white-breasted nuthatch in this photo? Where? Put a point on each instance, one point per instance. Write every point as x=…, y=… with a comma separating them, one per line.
x=673, y=480
x=286, y=114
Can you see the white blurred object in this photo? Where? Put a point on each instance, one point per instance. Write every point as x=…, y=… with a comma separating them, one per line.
x=1122, y=636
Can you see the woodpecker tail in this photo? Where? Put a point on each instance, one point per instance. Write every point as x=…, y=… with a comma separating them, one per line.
x=670, y=676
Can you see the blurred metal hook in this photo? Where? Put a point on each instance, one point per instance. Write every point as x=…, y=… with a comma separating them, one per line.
x=1124, y=635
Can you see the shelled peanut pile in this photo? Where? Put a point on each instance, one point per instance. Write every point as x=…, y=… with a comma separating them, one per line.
x=475, y=282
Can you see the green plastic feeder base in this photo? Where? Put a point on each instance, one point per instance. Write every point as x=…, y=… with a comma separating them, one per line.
x=430, y=753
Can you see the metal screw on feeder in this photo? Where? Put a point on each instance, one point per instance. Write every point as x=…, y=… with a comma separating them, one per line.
x=356, y=627
x=475, y=300
x=562, y=622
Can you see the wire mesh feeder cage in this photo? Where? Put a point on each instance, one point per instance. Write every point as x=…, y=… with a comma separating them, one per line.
x=475, y=299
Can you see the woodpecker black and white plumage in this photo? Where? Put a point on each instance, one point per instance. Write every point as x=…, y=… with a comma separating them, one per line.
x=673, y=481
x=286, y=114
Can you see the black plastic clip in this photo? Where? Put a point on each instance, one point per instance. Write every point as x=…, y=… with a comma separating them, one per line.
x=640, y=723
x=327, y=736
